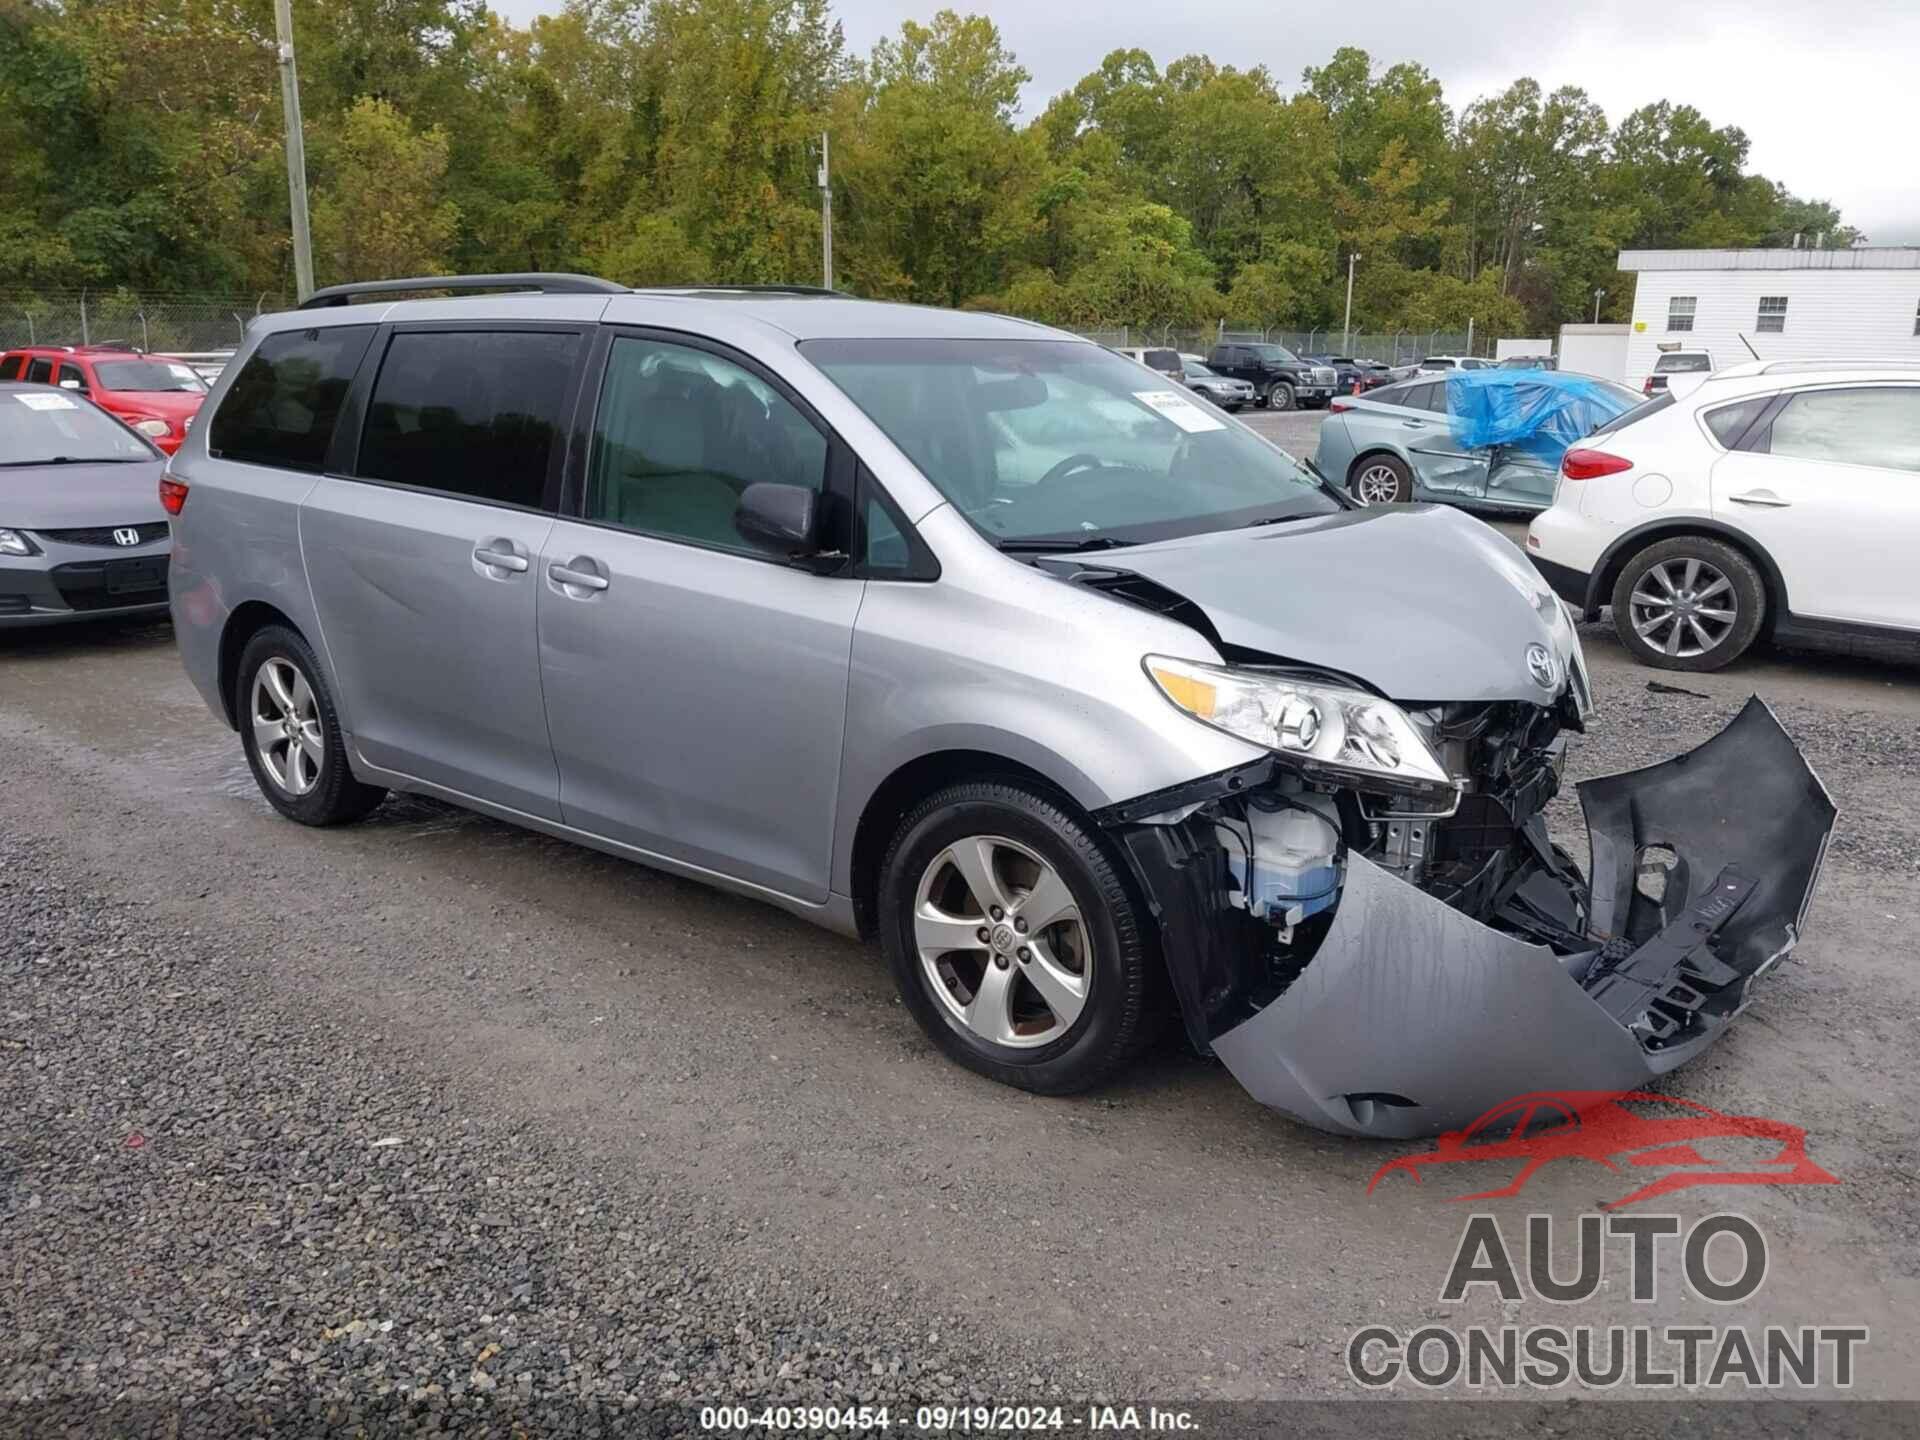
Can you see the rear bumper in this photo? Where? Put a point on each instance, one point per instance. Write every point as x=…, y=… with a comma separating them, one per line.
x=1571, y=585
x=1409, y=1017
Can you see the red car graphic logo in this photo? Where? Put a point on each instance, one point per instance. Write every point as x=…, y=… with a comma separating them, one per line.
x=1617, y=1128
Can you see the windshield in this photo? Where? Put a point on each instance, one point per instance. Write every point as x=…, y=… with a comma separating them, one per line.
x=44, y=427
x=1275, y=352
x=1049, y=441
x=1198, y=371
x=148, y=375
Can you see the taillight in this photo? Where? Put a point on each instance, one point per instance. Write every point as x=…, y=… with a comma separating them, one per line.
x=1647, y=389
x=173, y=495
x=1591, y=464
x=1336, y=406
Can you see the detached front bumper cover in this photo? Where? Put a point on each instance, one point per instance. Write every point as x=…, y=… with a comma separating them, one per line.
x=1411, y=1018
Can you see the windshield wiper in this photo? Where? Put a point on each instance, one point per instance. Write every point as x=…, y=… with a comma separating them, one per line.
x=1061, y=547
x=71, y=460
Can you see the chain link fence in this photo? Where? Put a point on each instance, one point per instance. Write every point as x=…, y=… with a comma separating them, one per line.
x=154, y=322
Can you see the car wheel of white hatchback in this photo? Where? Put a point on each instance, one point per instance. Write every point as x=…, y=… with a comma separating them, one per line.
x=1689, y=603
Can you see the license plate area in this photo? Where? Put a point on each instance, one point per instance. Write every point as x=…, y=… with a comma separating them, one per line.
x=126, y=577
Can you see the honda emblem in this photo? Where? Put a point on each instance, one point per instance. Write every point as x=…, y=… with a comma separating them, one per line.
x=126, y=536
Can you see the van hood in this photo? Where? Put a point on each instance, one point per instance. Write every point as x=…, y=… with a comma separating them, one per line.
x=1421, y=602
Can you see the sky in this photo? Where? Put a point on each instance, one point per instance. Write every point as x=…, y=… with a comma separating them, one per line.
x=1825, y=92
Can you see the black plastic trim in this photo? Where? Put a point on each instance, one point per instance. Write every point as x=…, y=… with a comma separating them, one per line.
x=557, y=283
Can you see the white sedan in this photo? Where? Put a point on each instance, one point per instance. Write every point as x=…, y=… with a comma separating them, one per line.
x=1772, y=498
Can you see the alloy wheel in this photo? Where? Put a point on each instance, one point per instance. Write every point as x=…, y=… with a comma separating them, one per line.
x=287, y=731
x=1683, y=607
x=1002, y=944
x=1376, y=485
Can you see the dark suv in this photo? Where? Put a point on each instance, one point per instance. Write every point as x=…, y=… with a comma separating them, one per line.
x=1280, y=378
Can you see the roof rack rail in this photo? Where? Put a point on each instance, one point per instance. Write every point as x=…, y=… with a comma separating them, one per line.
x=542, y=283
x=749, y=289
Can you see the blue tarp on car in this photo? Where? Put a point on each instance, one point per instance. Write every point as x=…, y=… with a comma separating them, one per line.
x=1539, y=412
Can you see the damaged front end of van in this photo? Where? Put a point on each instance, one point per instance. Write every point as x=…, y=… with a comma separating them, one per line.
x=1392, y=961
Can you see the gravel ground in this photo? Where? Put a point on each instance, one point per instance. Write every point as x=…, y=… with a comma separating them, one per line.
x=215, y=1204
x=653, y=1145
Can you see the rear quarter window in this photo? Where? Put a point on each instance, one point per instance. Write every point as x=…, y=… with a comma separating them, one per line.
x=1730, y=422
x=283, y=404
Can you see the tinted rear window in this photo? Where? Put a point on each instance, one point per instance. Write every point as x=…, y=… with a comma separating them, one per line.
x=1167, y=360
x=11, y=367
x=287, y=396
x=471, y=412
x=1638, y=413
x=1681, y=364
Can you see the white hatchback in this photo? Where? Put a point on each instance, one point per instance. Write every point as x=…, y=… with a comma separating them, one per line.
x=1772, y=498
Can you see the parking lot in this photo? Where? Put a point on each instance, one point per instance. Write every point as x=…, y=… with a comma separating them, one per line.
x=432, y=1102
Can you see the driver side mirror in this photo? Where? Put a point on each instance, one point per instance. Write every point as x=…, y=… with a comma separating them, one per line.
x=780, y=518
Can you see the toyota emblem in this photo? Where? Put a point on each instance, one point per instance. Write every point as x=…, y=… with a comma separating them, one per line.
x=126, y=536
x=1542, y=666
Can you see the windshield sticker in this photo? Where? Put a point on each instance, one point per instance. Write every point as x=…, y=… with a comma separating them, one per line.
x=46, y=402
x=1179, y=409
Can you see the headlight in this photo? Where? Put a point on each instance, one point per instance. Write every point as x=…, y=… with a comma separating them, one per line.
x=156, y=428
x=1325, y=728
x=12, y=542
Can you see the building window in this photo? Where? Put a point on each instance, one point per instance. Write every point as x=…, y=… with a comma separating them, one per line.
x=1773, y=315
x=1680, y=312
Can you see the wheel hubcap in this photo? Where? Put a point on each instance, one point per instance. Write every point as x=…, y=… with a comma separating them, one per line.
x=1683, y=608
x=1002, y=943
x=286, y=727
x=1377, y=485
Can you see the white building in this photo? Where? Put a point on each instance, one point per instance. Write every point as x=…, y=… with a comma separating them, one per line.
x=1788, y=304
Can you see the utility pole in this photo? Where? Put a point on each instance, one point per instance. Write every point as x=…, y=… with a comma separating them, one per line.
x=296, y=151
x=1596, y=305
x=1346, y=330
x=826, y=215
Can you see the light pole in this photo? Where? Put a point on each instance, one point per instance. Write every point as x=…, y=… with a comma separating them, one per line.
x=1596, y=305
x=296, y=151
x=1346, y=329
x=826, y=216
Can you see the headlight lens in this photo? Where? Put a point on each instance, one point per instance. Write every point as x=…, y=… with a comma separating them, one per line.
x=156, y=428
x=12, y=542
x=1325, y=727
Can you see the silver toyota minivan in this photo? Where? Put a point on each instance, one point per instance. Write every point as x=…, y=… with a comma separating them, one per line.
x=948, y=629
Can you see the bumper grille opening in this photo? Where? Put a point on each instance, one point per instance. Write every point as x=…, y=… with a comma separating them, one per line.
x=112, y=584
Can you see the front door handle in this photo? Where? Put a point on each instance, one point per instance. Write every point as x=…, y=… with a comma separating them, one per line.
x=572, y=576
x=1764, y=498
x=498, y=554
x=1414, y=424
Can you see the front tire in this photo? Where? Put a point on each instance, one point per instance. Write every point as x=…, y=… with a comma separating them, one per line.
x=291, y=732
x=1689, y=603
x=1280, y=396
x=1015, y=941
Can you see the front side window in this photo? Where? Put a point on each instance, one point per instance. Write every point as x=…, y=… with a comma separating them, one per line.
x=282, y=405
x=1052, y=443
x=1680, y=310
x=47, y=427
x=1772, y=319
x=149, y=375
x=679, y=435
x=1873, y=425
x=474, y=413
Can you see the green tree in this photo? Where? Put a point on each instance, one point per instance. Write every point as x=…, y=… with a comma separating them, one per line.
x=381, y=210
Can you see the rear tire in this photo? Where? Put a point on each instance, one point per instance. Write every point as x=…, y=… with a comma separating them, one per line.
x=1380, y=480
x=1055, y=1008
x=291, y=732
x=1689, y=603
